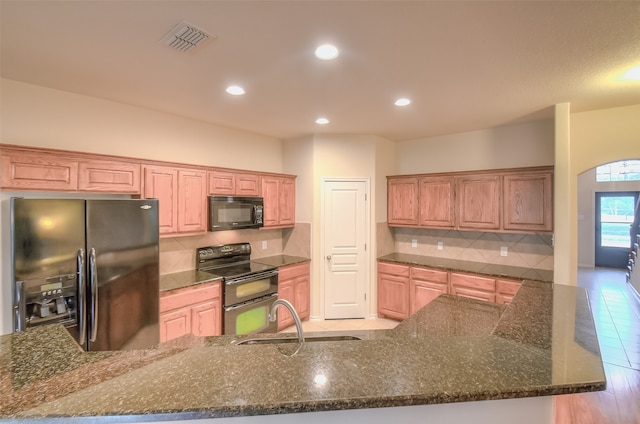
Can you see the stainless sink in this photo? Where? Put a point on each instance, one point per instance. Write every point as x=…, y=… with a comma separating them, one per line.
x=311, y=339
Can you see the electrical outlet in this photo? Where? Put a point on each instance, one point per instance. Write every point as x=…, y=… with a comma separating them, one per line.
x=440, y=245
x=264, y=244
x=504, y=251
x=414, y=243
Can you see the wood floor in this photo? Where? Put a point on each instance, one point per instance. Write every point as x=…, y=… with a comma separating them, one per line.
x=616, y=312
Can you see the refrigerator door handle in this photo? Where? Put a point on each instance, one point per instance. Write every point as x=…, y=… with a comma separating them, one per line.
x=93, y=279
x=82, y=299
x=19, y=307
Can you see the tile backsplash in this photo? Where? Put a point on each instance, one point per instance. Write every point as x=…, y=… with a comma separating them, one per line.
x=179, y=253
x=523, y=250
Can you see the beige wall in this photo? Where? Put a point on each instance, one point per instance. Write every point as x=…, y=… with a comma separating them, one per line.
x=501, y=147
x=36, y=116
x=583, y=141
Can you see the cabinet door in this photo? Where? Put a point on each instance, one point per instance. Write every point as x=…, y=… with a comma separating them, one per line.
x=175, y=324
x=287, y=202
x=402, y=201
x=479, y=202
x=107, y=176
x=221, y=183
x=270, y=187
x=205, y=319
x=426, y=285
x=302, y=287
x=423, y=292
x=247, y=185
x=506, y=290
x=528, y=201
x=436, y=197
x=192, y=201
x=286, y=291
x=26, y=171
x=161, y=183
x=393, y=291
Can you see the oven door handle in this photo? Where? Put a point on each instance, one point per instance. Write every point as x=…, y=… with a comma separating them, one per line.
x=250, y=302
x=252, y=277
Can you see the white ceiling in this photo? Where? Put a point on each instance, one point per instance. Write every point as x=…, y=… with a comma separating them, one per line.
x=465, y=65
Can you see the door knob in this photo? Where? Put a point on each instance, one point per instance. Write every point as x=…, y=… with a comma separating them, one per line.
x=328, y=257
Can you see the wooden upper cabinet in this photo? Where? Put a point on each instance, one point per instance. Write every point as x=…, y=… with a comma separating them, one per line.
x=161, y=182
x=402, y=201
x=528, y=201
x=479, y=202
x=109, y=176
x=182, y=198
x=279, y=201
x=436, y=199
x=287, y=202
x=192, y=201
x=38, y=171
x=233, y=184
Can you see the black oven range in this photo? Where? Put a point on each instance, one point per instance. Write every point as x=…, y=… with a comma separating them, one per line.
x=249, y=288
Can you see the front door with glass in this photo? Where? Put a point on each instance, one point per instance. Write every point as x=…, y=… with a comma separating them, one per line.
x=614, y=216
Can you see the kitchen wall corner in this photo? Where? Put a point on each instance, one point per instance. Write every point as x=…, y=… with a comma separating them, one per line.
x=296, y=241
x=384, y=238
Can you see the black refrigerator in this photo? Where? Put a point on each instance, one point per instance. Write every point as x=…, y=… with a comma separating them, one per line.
x=90, y=265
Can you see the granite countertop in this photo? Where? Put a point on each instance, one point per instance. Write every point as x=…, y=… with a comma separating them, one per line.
x=493, y=270
x=452, y=350
x=281, y=260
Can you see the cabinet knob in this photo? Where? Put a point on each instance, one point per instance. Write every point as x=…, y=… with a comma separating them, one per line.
x=328, y=257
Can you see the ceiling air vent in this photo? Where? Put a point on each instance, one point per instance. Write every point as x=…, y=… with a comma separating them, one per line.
x=186, y=37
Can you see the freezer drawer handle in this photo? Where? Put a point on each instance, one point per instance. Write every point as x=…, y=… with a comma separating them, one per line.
x=93, y=275
x=82, y=298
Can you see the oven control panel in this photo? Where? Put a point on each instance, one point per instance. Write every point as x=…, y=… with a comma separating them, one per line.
x=212, y=253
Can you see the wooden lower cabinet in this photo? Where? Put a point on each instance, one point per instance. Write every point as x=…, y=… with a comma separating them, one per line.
x=393, y=291
x=294, y=285
x=473, y=286
x=425, y=286
x=196, y=310
x=506, y=290
x=404, y=289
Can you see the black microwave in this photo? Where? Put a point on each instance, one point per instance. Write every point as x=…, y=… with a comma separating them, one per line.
x=234, y=213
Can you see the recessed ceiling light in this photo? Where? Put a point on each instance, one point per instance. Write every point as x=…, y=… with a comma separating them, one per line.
x=322, y=121
x=402, y=102
x=633, y=73
x=235, y=90
x=327, y=52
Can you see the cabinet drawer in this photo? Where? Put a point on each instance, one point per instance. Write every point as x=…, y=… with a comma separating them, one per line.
x=188, y=296
x=474, y=294
x=292, y=271
x=393, y=269
x=473, y=282
x=508, y=287
x=427, y=274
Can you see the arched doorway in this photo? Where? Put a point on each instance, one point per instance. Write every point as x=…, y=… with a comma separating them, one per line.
x=608, y=213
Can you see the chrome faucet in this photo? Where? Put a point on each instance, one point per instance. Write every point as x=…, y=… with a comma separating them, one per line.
x=273, y=316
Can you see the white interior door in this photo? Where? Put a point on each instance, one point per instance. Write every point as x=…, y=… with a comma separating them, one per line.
x=345, y=224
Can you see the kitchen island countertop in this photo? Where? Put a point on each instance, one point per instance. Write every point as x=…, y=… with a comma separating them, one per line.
x=452, y=350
